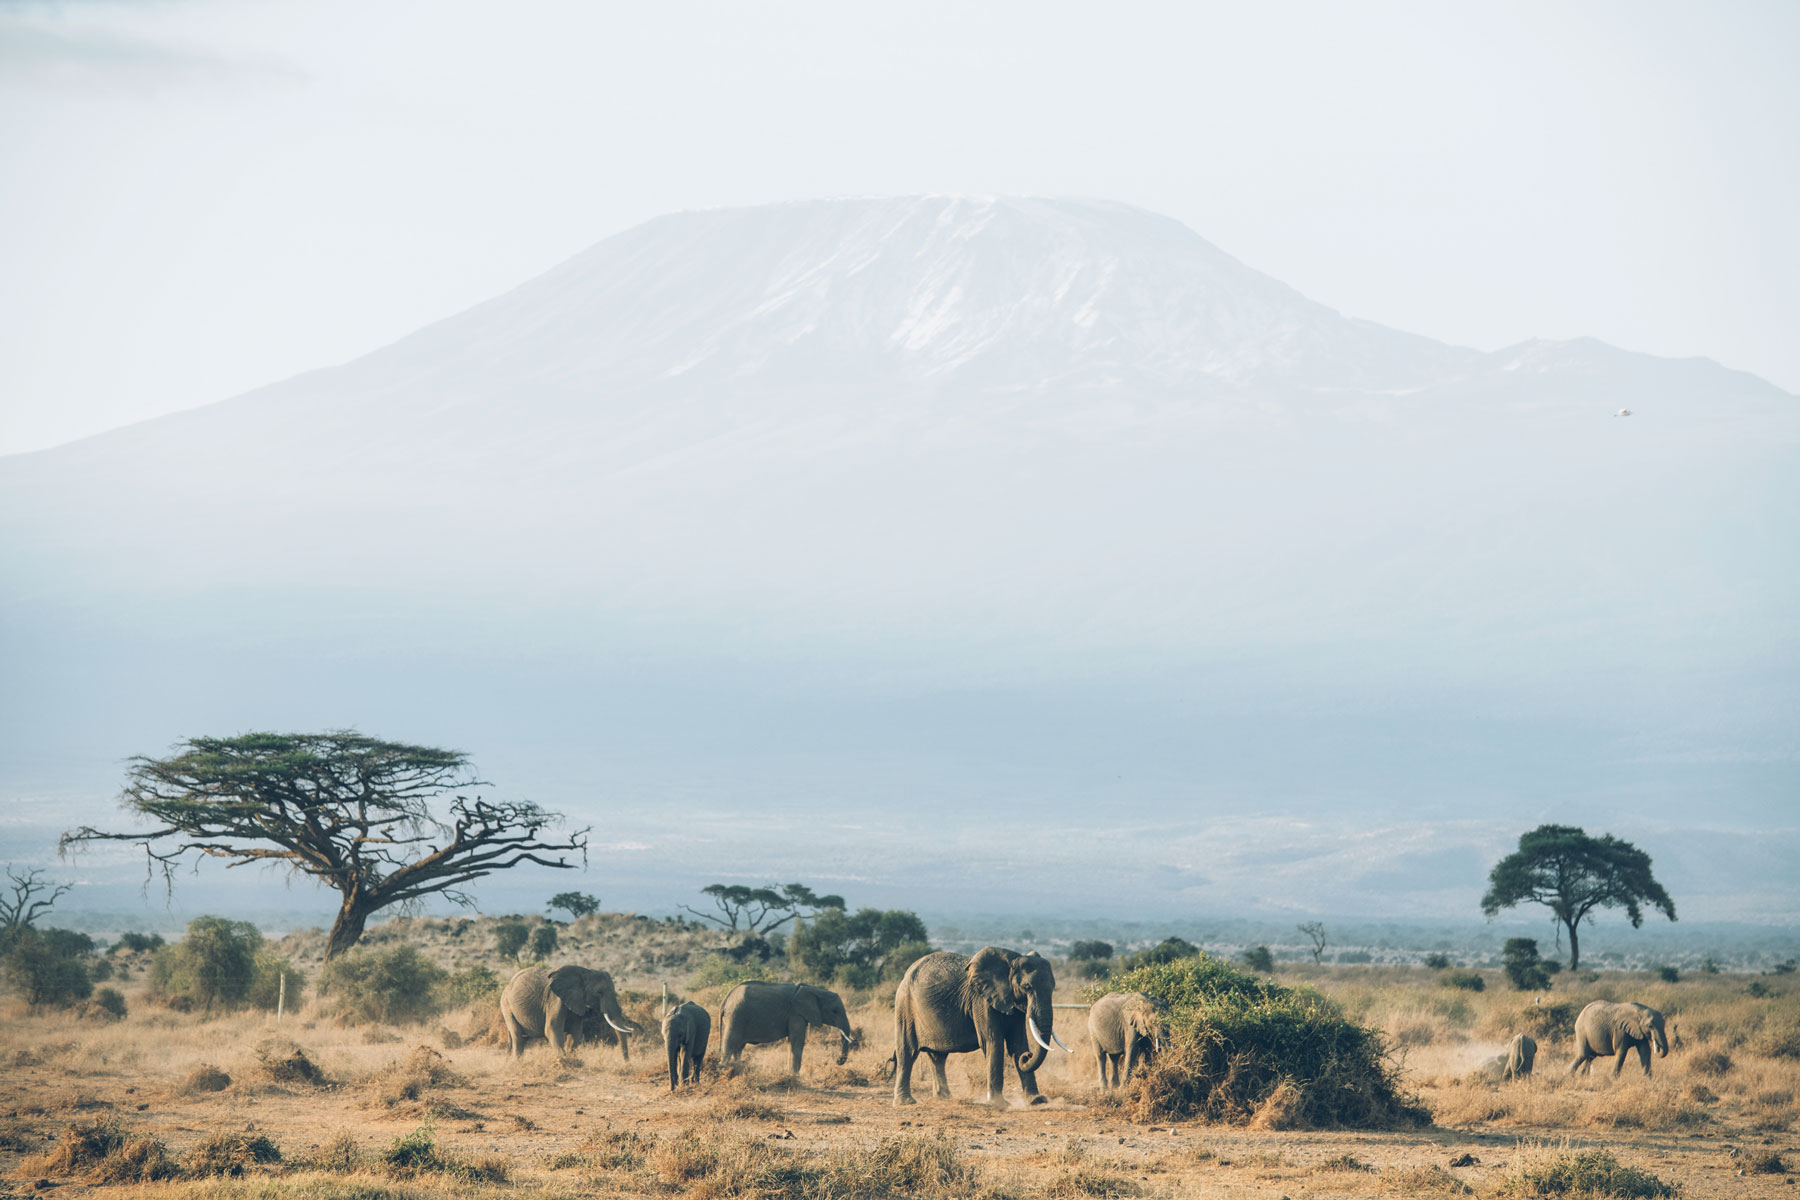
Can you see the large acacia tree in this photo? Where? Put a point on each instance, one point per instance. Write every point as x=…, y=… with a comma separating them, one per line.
x=1572, y=874
x=378, y=822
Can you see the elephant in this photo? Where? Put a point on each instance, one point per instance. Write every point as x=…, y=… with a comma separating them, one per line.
x=1605, y=1027
x=998, y=1001
x=686, y=1028
x=1125, y=1025
x=757, y=1012
x=558, y=1004
x=1521, y=1053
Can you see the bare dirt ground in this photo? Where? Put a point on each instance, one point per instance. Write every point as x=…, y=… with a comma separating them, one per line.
x=1716, y=1119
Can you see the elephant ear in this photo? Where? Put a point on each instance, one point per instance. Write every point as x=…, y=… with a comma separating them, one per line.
x=989, y=980
x=1637, y=1023
x=807, y=1002
x=569, y=985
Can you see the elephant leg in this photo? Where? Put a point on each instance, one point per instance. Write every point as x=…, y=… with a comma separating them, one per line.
x=1112, y=1063
x=1100, y=1059
x=1028, y=1084
x=906, y=1052
x=1643, y=1050
x=996, y=1056
x=553, y=1031
x=1619, y=1059
x=516, y=1032
x=1131, y=1055
x=940, y=1082
x=674, y=1056
x=796, y=1044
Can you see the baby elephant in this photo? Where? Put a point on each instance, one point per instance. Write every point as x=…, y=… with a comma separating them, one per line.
x=1605, y=1028
x=1521, y=1052
x=686, y=1028
x=1125, y=1025
x=757, y=1012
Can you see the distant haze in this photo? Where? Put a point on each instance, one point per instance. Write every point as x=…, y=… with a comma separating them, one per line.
x=981, y=553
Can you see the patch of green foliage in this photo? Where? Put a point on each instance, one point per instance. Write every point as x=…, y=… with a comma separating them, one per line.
x=265, y=984
x=1258, y=959
x=48, y=966
x=472, y=985
x=543, y=942
x=1167, y=950
x=859, y=949
x=1525, y=967
x=390, y=986
x=215, y=964
x=1587, y=1175
x=1437, y=960
x=576, y=904
x=510, y=938
x=1236, y=1041
x=1468, y=981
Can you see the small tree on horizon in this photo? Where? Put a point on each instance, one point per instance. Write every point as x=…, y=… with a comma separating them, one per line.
x=1315, y=931
x=1572, y=874
x=576, y=904
x=32, y=897
x=762, y=908
x=356, y=813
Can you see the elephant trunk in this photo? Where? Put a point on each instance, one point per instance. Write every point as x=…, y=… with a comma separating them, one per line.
x=1036, y=1018
x=844, y=1038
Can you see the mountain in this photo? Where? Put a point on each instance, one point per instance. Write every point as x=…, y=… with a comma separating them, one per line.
x=916, y=539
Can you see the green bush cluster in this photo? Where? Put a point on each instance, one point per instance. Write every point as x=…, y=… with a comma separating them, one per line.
x=393, y=986
x=49, y=966
x=1166, y=951
x=223, y=963
x=1525, y=967
x=1241, y=1047
x=859, y=949
x=1258, y=959
x=1589, y=1173
x=1468, y=981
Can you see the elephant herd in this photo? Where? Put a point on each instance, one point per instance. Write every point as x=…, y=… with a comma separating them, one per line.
x=996, y=1001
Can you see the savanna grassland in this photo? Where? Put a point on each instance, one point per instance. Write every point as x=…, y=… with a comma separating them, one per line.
x=183, y=1104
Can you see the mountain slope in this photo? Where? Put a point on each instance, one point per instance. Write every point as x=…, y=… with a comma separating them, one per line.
x=946, y=503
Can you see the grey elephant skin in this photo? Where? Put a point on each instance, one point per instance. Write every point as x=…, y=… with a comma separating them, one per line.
x=560, y=1005
x=756, y=1013
x=998, y=1001
x=1606, y=1028
x=1125, y=1026
x=686, y=1028
x=1521, y=1053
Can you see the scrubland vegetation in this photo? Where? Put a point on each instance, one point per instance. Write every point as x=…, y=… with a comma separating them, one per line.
x=385, y=1078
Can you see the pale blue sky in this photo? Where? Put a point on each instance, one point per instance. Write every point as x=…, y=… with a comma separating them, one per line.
x=198, y=198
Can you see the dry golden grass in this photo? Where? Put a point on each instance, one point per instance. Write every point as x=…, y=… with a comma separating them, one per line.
x=603, y=1126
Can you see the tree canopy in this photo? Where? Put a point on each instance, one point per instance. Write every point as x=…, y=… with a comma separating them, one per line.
x=761, y=909
x=366, y=817
x=1572, y=874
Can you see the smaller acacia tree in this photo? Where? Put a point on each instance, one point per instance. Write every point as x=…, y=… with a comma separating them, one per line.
x=1572, y=874
x=576, y=904
x=1315, y=932
x=358, y=814
x=32, y=897
x=761, y=909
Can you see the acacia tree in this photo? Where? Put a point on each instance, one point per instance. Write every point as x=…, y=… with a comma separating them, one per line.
x=32, y=897
x=762, y=909
x=364, y=817
x=1315, y=932
x=1572, y=874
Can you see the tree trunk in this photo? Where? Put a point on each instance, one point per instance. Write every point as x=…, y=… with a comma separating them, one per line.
x=1574, y=946
x=348, y=928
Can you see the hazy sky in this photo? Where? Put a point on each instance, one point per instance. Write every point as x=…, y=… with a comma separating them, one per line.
x=200, y=197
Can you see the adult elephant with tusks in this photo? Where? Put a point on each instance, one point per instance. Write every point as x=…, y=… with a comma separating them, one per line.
x=756, y=1012
x=1605, y=1028
x=558, y=1004
x=998, y=1001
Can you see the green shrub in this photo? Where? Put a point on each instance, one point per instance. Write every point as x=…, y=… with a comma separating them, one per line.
x=1165, y=951
x=110, y=1001
x=1524, y=966
x=1242, y=1049
x=265, y=982
x=1668, y=974
x=393, y=986
x=1468, y=981
x=1437, y=960
x=1590, y=1173
x=472, y=985
x=858, y=949
x=510, y=938
x=137, y=943
x=1090, y=950
x=47, y=969
x=1550, y=1022
x=214, y=964
x=1258, y=959
x=543, y=942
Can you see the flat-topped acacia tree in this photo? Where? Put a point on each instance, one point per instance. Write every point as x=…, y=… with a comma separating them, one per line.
x=378, y=822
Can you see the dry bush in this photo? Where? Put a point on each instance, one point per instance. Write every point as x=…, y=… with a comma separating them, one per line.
x=286, y=1062
x=1586, y=1173
x=1709, y=1062
x=18, y=1138
x=231, y=1154
x=706, y=1165
x=342, y=1155
x=410, y=1077
x=1424, y=1181
x=1343, y=1162
x=103, y=1152
x=205, y=1078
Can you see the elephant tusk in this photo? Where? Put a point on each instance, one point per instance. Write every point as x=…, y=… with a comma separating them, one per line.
x=1156, y=1045
x=846, y=1038
x=1059, y=1043
x=616, y=1026
x=1035, y=1035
